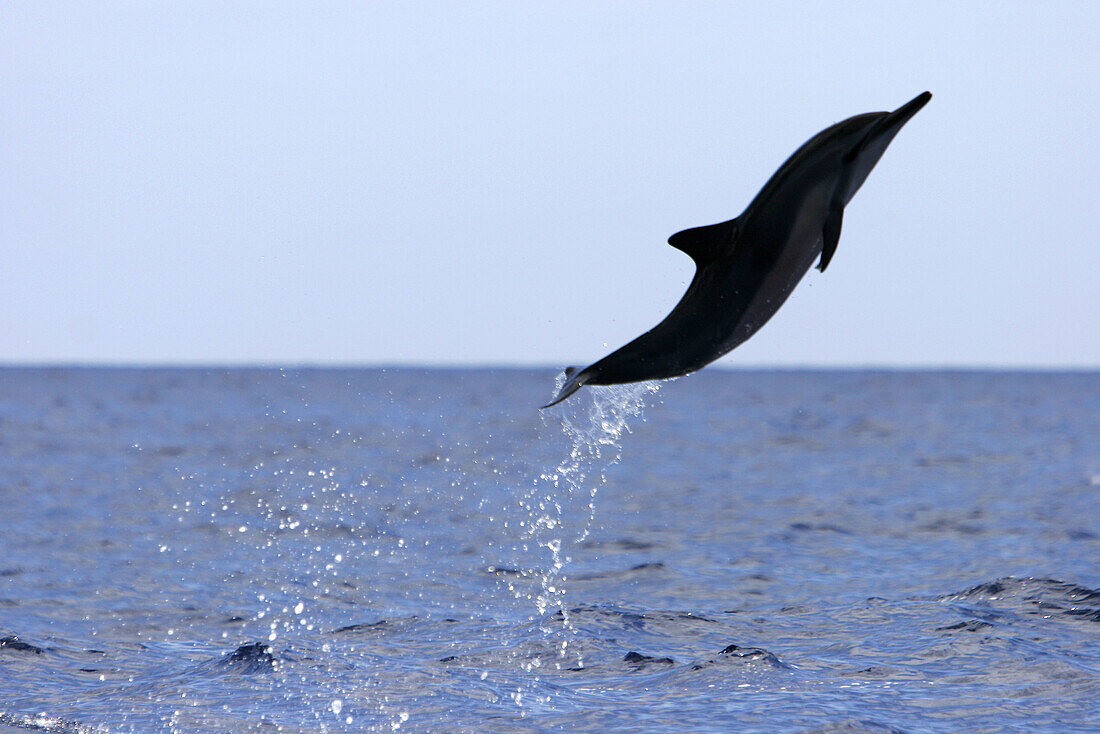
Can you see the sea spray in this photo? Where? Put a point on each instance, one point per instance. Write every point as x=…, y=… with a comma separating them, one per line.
x=594, y=423
x=308, y=527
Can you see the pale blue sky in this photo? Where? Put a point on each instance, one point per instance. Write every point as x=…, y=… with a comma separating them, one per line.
x=493, y=183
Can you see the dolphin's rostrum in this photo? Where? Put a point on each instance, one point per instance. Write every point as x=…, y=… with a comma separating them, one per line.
x=746, y=268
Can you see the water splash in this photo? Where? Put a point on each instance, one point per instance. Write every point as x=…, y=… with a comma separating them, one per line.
x=596, y=432
x=595, y=423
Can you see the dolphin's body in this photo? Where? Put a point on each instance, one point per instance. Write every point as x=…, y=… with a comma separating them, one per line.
x=746, y=268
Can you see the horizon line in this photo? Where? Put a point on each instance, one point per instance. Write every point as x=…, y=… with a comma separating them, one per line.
x=524, y=367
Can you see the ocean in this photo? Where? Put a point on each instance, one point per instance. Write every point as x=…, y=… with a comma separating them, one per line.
x=328, y=550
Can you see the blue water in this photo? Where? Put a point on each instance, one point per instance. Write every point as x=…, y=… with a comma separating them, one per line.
x=414, y=550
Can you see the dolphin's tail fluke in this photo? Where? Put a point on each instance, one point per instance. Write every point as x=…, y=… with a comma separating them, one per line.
x=573, y=382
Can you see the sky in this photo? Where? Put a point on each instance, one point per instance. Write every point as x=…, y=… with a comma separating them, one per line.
x=493, y=183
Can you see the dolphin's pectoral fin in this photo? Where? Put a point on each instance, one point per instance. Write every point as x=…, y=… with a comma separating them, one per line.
x=830, y=235
x=704, y=244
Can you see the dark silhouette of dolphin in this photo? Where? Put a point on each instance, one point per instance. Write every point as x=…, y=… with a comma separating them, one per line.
x=746, y=268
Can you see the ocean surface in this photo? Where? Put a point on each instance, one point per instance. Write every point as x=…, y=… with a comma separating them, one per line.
x=424, y=550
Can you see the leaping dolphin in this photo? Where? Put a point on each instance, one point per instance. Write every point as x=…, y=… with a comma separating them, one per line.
x=745, y=268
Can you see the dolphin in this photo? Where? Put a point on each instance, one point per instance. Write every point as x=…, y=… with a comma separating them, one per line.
x=745, y=268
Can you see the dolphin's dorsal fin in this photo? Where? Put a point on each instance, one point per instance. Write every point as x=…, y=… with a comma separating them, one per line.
x=704, y=244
